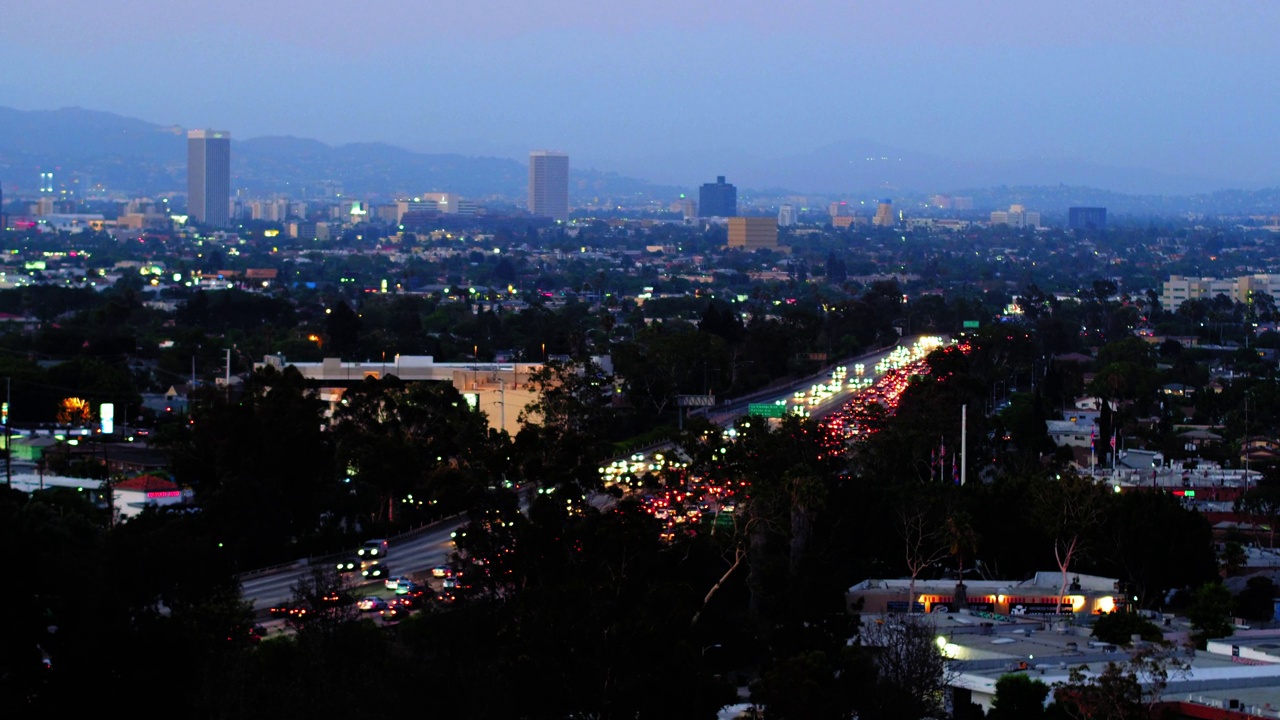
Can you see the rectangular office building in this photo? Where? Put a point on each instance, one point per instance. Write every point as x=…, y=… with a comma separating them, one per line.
x=718, y=199
x=1087, y=218
x=209, y=177
x=549, y=184
x=753, y=233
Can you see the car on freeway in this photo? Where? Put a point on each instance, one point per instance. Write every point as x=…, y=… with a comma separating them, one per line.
x=375, y=571
x=393, y=581
x=455, y=583
x=285, y=609
x=394, y=613
x=371, y=603
x=373, y=550
x=251, y=634
x=290, y=609
x=417, y=596
x=334, y=598
x=346, y=566
x=405, y=586
x=441, y=571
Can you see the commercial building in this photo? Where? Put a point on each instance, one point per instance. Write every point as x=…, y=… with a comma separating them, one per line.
x=1179, y=289
x=717, y=199
x=549, y=184
x=309, y=230
x=209, y=177
x=787, y=215
x=500, y=390
x=884, y=215
x=753, y=233
x=687, y=207
x=1016, y=217
x=1087, y=218
x=1040, y=595
x=454, y=204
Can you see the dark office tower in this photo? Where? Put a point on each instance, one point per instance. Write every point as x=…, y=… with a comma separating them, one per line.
x=1087, y=218
x=549, y=184
x=209, y=177
x=718, y=199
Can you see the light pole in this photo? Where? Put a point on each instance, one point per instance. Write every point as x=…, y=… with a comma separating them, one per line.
x=1245, y=445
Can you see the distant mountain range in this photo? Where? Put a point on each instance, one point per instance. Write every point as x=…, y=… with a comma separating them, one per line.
x=856, y=165
x=134, y=156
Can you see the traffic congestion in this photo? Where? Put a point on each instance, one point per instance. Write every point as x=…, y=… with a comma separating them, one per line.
x=687, y=502
x=684, y=500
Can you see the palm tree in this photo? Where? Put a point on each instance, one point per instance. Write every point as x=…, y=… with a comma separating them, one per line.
x=963, y=543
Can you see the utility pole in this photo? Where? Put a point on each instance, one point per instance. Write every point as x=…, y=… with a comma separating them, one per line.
x=8, y=437
x=502, y=402
x=964, y=444
x=1245, y=445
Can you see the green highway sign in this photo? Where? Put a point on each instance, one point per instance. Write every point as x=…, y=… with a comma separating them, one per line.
x=769, y=410
x=970, y=324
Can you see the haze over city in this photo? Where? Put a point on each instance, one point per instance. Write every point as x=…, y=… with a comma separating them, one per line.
x=677, y=94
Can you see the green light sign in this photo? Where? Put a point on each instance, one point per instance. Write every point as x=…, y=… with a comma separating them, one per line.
x=769, y=410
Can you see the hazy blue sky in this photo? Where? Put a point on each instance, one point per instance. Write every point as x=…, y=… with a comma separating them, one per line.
x=1184, y=87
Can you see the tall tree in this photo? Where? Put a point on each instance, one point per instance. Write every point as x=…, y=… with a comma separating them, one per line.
x=924, y=537
x=566, y=431
x=1070, y=508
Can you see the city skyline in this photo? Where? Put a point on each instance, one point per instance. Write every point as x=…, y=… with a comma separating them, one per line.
x=1174, y=87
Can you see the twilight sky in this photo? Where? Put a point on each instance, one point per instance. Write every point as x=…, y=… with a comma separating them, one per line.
x=1180, y=87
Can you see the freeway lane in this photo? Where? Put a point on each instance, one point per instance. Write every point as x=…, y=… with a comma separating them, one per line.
x=725, y=415
x=413, y=554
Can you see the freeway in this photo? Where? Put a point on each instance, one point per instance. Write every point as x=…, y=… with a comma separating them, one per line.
x=416, y=552
x=875, y=366
x=725, y=415
x=412, y=554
